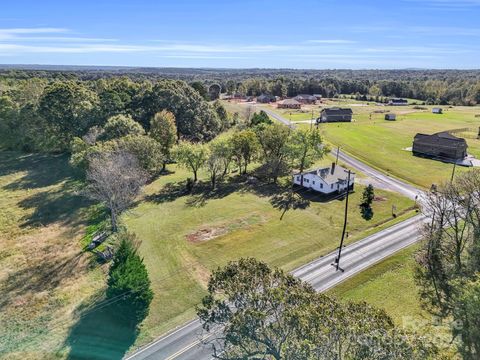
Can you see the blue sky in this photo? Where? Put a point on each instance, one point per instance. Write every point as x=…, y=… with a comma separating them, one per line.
x=243, y=33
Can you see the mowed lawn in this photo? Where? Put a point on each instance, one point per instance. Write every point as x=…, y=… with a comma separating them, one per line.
x=184, y=236
x=382, y=143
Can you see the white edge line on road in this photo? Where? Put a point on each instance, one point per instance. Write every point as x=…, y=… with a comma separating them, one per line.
x=369, y=265
x=141, y=350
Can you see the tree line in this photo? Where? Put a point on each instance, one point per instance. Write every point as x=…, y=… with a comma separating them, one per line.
x=456, y=87
x=41, y=115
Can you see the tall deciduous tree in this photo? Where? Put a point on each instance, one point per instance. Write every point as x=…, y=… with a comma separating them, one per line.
x=121, y=125
x=115, y=179
x=222, y=115
x=449, y=262
x=215, y=167
x=260, y=118
x=244, y=148
x=222, y=148
x=164, y=131
x=191, y=156
x=274, y=142
x=195, y=118
x=305, y=147
x=69, y=108
x=253, y=312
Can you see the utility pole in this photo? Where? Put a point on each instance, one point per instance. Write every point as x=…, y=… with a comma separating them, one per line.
x=453, y=172
x=311, y=121
x=337, y=260
x=338, y=150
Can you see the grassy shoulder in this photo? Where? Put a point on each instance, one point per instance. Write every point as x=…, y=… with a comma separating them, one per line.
x=388, y=285
x=185, y=236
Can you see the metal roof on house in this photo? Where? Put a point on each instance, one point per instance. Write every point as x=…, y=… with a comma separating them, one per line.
x=337, y=111
x=331, y=174
x=440, y=138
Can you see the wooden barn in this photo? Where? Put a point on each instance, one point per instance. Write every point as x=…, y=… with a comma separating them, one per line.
x=442, y=145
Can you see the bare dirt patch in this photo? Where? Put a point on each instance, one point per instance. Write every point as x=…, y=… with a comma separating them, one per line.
x=380, y=198
x=206, y=233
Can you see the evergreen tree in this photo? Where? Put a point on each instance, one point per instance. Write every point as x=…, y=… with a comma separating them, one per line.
x=367, y=200
x=128, y=280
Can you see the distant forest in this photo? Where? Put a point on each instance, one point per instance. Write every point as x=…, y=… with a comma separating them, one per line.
x=46, y=109
x=454, y=87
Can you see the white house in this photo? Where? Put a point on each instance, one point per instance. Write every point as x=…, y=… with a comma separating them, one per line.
x=325, y=180
x=437, y=110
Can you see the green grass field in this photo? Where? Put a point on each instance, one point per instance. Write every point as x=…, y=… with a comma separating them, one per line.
x=382, y=143
x=184, y=237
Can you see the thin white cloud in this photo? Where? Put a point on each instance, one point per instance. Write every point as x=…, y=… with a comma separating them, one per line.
x=120, y=48
x=331, y=41
x=415, y=50
x=182, y=56
x=57, y=39
x=12, y=33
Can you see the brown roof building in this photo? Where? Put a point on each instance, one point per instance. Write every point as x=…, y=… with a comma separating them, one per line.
x=306, y=99
x=289, y=104
x=442, y=145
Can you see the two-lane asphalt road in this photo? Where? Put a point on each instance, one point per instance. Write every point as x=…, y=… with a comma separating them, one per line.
x=185, y=342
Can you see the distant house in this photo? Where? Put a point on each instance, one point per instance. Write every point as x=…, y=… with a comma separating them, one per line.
x=265, y=98
x=306, y=99
x=390, y=117
x=289, y=104
x=397, y=102
x=335, y=114
x=327, y=180
x=437, y=111
x=442, y=145
x=318, y=96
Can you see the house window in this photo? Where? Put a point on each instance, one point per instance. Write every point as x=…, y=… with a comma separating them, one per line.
x=298, y=178
x=307, y=180
x=321, y=186
x=313, y=182
x=331, y=186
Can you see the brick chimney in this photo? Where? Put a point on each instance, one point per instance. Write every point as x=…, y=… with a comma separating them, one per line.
x=333, y=168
